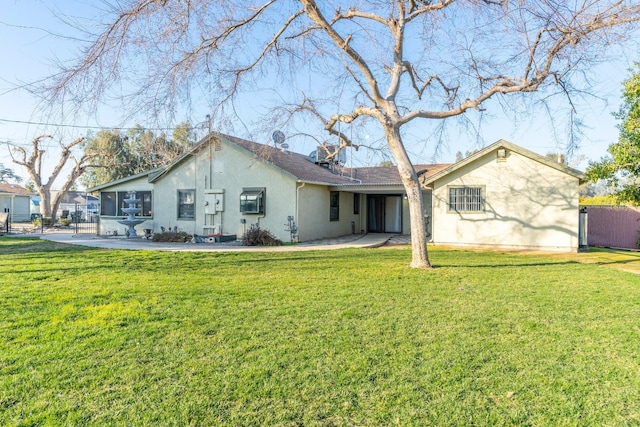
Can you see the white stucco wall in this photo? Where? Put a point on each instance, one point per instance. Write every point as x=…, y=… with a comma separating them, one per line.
x=228, y=171
x=527, y=205
x=314, y=215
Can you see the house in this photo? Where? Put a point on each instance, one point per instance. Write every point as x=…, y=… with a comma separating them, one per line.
x=502, y=196
x=72, y=201
x=15, y=200
x=506, y=196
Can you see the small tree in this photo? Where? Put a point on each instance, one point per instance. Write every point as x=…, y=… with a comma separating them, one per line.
x=33, y=163
x=7, y=175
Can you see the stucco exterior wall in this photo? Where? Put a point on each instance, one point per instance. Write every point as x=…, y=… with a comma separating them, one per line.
x=227, y=172
x=526, y=205
x=314, y=215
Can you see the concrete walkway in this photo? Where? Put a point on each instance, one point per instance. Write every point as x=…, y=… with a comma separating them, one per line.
x=371, y=240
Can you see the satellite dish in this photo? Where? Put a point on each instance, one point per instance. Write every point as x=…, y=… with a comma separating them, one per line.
x=278, y=137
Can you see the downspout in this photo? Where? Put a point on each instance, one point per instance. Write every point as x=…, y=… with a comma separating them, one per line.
x=298, y=208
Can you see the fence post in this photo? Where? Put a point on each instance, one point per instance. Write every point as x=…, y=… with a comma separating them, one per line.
x=75, y=216
x=583, y=241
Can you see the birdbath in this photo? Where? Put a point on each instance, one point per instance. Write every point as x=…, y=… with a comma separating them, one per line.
x=131, y=211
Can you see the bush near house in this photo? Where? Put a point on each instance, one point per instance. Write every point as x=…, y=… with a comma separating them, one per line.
x=172, y=236
x=598, y=200
x=256, y=236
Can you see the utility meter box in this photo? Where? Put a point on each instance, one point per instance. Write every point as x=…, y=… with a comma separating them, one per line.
x=213, y=201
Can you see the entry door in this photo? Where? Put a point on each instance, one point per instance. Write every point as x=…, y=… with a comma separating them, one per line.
x=393, y=214
x=384, y=214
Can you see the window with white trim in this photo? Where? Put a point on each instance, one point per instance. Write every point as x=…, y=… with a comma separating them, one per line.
x=252, y=201
x=466, y=199
x=186, y=204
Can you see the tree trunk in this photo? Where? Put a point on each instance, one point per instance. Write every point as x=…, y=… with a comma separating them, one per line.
x=409, y=177
x=45, y=202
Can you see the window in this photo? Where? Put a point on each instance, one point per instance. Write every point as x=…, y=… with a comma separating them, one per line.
x=186, y=204
x=144, y=203
x=334, y=206
x=111, y=203
x=252, y=201
x=356, y=203
x=108, y=203
x=465, y=199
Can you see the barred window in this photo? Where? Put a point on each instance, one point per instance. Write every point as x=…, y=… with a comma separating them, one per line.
x=466, y=199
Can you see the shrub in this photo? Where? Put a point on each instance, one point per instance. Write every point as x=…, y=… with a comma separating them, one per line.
x=256, y=236
x=598, y=200
x=65, y=222
x=37, y=222
x=172, y=236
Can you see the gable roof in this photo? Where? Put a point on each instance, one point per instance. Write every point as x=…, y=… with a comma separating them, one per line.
x=14, y=189
x=147, y=174
x=501, y=143
x=298, y=167
x=296, y=164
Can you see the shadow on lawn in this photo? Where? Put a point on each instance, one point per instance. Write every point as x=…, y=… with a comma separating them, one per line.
x=25, y=243
x=503, y=265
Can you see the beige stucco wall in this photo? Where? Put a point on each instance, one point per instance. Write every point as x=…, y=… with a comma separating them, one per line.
x=227, y=172
x=527, y=205
x=314, y=216
x=312, y=212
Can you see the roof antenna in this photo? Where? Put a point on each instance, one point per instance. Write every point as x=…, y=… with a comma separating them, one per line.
x=278, y=139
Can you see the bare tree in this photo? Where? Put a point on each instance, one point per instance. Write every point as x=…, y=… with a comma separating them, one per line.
x=395, y=61
x=33, y=163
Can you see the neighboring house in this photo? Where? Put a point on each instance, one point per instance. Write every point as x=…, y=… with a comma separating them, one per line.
x=16, y=200
x=502, y=196
x=85, y=204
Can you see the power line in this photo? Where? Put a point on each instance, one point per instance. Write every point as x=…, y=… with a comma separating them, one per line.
x=83, y=127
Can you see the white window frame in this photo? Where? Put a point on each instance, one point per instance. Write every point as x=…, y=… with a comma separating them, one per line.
x=180, y=212
x=252, y=201
x=465, y=199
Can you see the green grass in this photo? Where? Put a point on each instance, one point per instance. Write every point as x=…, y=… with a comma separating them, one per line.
x=348, y=337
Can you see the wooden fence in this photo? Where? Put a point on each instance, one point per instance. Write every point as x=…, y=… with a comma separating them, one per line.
x=613, y=226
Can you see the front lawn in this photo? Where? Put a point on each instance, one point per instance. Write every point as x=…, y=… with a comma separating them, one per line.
x=348, y=337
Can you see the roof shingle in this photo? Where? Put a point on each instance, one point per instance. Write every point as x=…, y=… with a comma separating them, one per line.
x=14, y=189
x=299, y=166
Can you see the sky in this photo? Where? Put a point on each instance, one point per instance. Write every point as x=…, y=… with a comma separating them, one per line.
x=32, y=36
